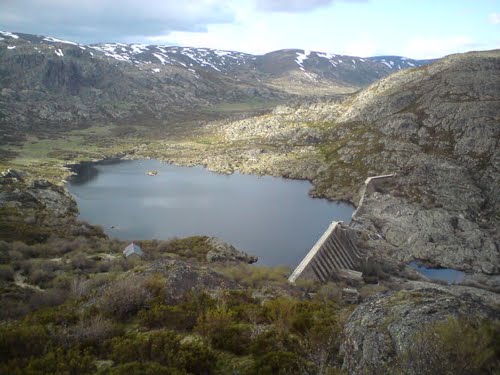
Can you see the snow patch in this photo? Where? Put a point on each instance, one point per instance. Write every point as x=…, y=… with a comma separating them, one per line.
x=161, y=58
x=388, y=65
x=55, y=40
x=326, y=55
x=59, y=52
x=138, y=48
x=156, y=70
x=6, y=33
x=301, y=57
x=11, y=47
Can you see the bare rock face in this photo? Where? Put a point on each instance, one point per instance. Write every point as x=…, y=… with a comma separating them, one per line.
x=224, y=252
x=384, y=326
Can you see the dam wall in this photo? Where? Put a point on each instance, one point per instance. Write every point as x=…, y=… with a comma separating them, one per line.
x=371, y=185
x=334, y=251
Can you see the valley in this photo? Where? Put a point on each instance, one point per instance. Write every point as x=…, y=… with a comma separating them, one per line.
x=330, y=119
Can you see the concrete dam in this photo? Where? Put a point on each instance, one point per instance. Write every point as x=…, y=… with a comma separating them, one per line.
x=335, y=252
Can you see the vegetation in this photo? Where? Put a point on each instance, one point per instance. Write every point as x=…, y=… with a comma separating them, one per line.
x=456, y=346
x=122, y=319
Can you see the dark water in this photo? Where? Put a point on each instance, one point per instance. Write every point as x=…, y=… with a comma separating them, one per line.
x=448, y=275
x=270, y=217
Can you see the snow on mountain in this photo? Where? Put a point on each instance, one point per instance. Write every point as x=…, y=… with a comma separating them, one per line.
x=311, y=65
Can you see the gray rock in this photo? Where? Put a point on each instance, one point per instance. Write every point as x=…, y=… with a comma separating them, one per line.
x=383, y=327
x=224, y=252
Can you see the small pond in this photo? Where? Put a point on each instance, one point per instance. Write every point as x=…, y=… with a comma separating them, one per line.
x=272, y=218
x=449, y=275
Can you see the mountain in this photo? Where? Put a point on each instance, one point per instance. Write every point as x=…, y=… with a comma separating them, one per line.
x=49, y=84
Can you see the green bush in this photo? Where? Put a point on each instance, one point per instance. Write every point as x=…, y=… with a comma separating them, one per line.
x=4, y=252
x=164, y=316
x=23, y=341
x=142, y=368
x=195, y=247
x=6, y=273
x=125, y=297
x=59, y=361
x=234, y=338
x=196, y=358
x=279, y=363
x=157, y=346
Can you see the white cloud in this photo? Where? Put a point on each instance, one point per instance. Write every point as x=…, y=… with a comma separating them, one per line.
x=363, y=45
x=428, y=48
x=494, y=18
x=291, y=5
x=111, y=20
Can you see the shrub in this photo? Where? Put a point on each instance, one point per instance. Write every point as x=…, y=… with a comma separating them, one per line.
x=93, y=331
x=196, y=358
x=4, y=252
x=195, y=247
x=40, y=276
x=214, y=319
x=49, y=297
x=125, y=297
x=257, y=277
x=234, y=338
x=23, y=341
x=59, y=361
x=277, y=363
x=6, y=273
x=455, y=346
x=141, y=368
x=158, y=346
x=173, y=317
x=280, y=312
x=27, y=251
x=372, y=272
x=82, y=262
x=274, y=341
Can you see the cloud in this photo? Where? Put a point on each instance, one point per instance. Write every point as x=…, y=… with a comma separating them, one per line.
x=494, y=18
x=105, y=20
x=428, y=48
x=291, y=5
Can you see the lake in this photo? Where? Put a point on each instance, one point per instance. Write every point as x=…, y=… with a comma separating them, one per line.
x=272, y=218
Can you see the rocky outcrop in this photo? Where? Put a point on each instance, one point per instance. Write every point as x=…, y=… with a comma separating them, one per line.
x=33, y=210
x=384, y=326
x=223, y=252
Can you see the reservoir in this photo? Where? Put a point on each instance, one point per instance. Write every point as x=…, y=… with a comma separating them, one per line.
x=272, y=218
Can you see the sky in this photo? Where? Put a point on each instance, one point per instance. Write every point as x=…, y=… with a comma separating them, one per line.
x=413, y=28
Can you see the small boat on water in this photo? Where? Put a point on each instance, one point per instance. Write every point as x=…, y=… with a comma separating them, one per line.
x=152, y=173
